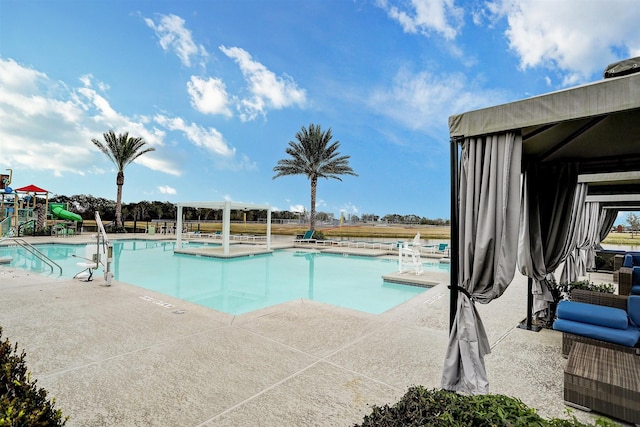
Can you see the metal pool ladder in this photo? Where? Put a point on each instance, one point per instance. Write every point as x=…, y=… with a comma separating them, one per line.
x=35, y=252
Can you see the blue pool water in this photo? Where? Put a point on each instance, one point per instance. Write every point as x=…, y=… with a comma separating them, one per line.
x=241, y=285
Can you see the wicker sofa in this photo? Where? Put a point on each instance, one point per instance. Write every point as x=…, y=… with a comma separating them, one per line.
x=629, y=278
x=599, y=375
x=600, y=299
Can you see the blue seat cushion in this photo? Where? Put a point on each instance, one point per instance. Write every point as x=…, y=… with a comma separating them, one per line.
x=631, y=260
x=633, y=308
x=627, y=337
x=635, y=275
x=593, y=314
x=635, y=290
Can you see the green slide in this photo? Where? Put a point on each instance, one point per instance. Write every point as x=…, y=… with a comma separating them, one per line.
x=58, y=209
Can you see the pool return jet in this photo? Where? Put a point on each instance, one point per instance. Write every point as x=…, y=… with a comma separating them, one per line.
x=99, y=254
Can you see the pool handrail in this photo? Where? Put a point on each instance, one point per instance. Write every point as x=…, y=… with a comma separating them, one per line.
x=35, y=252
x=108, y=246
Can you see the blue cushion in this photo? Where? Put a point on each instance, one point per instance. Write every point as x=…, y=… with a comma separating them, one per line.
x=635, y=290
x=628, y=337
x=631, y=259
x=628, y=261
x=633, y=308
x=593, y=314
x=635, y=276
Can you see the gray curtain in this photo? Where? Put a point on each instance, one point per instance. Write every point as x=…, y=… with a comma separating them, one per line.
x=488, y=238
x=607, y=219
x=546, y=231
x=583, y=231
x=594, y=220
x=591, y=237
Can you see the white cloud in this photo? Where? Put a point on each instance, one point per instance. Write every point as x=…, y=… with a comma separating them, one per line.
x=579, y=38
x=297, y=208
x=165, y=189
x=426, y=16
x=424, y=101
x=173, y=36
x=209, y=139
x=350, y=208
x=15, y=77
x=46, y=125
x=209, y=96
x=267, y=90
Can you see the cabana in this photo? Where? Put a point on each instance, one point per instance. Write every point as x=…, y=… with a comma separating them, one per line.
x=226, y=207
x=533, y=183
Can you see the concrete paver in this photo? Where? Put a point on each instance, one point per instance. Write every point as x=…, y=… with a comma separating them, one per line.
x=125, y=356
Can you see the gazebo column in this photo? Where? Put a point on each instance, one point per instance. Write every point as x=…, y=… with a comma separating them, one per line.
x=269, y=228
x=179, y=228
x=226, y=225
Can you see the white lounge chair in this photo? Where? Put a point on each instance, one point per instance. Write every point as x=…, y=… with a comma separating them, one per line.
x=306, y=238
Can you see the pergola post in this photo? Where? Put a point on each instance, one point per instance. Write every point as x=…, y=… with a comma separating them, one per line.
x=226, y=225
x=179, y=228
x=454, y=227
x=269, y=228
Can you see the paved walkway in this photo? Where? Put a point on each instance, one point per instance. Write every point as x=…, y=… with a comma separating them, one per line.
x=125, y=356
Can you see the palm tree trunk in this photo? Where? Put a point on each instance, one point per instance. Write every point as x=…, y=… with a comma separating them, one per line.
x=119, y=183
x=312, y=219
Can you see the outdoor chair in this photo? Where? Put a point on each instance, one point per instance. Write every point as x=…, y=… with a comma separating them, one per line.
x=443, y=248
x=629, y=280
x=626, y=281
x=409, y=256
x=306, y=238
x=631, y=259
x=603, y=376
x=599, y=319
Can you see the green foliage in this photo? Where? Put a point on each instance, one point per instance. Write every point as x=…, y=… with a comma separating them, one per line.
x=586, y=285
x=441, y=408
x=318, y=235
x=22, y=403
x=315, y=156
x=634, y=223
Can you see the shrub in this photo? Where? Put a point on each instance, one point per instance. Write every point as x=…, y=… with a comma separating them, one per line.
x=441, y=408
x=318, y=235
x=22, y=403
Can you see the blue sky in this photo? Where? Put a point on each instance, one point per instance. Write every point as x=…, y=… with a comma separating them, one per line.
x=219, y=88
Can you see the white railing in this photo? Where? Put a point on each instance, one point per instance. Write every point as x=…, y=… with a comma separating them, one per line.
x=107, y=249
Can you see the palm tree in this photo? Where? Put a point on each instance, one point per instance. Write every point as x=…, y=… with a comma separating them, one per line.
x=315, y=156
x=121, y=150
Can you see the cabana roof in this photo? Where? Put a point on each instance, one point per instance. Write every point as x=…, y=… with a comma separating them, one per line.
x=596, y=124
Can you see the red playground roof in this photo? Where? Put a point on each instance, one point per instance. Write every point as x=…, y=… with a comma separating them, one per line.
x=31, y=189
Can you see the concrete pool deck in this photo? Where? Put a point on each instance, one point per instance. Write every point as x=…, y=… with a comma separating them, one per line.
x=126, y=356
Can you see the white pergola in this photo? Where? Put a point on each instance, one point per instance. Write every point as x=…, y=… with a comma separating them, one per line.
x=226, y=208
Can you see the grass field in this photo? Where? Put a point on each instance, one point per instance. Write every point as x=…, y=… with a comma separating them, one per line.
x=374, y=231
x=358, y=231
x=625, y=239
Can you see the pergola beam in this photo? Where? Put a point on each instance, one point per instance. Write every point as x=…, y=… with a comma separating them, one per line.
x=610, y=178
x=613, y=198
x=226, y=207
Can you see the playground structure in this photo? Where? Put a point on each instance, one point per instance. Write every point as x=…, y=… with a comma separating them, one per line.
x=27, y=209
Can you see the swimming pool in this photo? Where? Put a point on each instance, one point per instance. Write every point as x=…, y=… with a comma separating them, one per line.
x=240, y=285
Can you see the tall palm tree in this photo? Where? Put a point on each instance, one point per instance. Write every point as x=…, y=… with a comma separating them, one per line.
x=315, y=156
x=121, y=150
